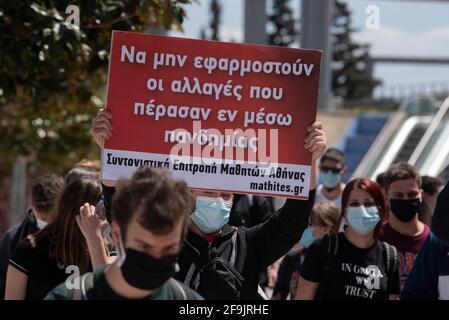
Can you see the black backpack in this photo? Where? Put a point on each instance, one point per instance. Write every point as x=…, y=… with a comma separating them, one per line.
x=219, y=280
x=390, y=257
x=180, y=292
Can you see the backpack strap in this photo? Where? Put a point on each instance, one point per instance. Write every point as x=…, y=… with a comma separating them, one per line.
x=180, y=291
x=262, y=293
x=194, y=267
x=391, y=257
x=332, y=250
x=233, y=249
x=86, y=284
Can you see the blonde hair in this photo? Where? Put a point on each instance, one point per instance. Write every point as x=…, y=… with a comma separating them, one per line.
x=326, y=214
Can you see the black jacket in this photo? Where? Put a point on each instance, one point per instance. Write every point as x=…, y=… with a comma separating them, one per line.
x=250, y=214
x=9, y=243
x=440, y=220
x=256, y=247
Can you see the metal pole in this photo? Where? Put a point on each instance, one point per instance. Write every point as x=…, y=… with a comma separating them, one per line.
x=316, y=20
x=255, y=22
x=18, y=194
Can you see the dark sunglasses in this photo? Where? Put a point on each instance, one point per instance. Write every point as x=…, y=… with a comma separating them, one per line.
x=326, y=170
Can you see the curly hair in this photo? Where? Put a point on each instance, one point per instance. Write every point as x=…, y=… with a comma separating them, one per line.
x=159, y=201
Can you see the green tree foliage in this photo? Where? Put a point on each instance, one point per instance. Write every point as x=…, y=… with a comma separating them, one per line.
x=52, y=78
x=352, y=76
x=282, y=22
x=213, y=30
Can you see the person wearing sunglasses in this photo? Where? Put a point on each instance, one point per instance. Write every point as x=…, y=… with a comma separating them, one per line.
x=332, y=168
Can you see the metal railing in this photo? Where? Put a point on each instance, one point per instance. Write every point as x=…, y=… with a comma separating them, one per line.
x=393, y=136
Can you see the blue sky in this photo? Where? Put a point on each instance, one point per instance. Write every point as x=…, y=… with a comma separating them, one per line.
x=407, y=28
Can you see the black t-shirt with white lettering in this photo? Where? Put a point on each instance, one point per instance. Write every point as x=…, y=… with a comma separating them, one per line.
x=356, y=274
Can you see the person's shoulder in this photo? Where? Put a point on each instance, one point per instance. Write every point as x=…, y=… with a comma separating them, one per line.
x=25, y=245
x=86, y=285
x=179, y=291
x=28, y=254
x=326, y=242
x=7, y=239
x=61, y=292
x=436, y=244
x=11, y=231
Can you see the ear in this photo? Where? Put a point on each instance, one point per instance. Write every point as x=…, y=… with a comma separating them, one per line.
x=343, y=170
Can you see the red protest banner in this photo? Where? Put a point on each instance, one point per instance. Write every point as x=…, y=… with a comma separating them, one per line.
x=222, y=116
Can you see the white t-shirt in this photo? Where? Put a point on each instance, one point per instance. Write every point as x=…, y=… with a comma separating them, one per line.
x=321, y=197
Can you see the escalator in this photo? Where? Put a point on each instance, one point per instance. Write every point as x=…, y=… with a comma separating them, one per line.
x=400, y=136
x=431, y=155
x=444, y=175
x=411, y=142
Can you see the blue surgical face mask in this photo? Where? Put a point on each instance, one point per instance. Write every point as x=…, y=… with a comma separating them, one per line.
x=363, y=219
x=211, y=213
x=307, y=237
x=330, y=180
x=40, y=223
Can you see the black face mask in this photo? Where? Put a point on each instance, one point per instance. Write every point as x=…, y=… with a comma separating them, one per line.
x=405, y=210
x=146, y=272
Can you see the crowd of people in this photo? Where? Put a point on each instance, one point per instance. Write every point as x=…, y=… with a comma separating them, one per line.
x=152, y=237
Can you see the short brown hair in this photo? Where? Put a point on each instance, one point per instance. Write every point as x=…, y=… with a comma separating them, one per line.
x=159, y=201
x=93, y=165
x=402, y=171
x=430, y=185
x=78, y=172
x=333, y=154
x=381, y=178
x=45, y=191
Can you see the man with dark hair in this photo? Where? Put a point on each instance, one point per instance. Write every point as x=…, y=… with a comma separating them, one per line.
x=223, y=262
x=380, y=179
x=43, y=199
x=151, y=214
x=332, y=168
x=403, y=229
x=431, y=188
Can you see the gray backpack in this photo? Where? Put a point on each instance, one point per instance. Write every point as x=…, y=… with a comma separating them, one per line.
x=180, y=292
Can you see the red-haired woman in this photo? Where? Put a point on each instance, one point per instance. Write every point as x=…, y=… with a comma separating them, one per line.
x=353, y=264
